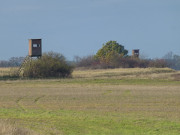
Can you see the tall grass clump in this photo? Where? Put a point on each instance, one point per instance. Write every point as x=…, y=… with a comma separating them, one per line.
x=51, y=64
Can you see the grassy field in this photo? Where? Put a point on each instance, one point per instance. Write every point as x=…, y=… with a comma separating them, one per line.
x=93, y=102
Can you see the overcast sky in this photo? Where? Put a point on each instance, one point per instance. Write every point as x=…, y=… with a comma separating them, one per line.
x=80, y=27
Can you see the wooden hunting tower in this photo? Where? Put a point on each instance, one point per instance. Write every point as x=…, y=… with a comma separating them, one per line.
x=135, y=53
x=35, y=48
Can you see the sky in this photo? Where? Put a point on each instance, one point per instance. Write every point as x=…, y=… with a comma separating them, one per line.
x=81, y=27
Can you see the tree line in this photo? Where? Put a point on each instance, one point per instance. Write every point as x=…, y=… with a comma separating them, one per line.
x=12, y=62
x=111, y=55
x=114, y=55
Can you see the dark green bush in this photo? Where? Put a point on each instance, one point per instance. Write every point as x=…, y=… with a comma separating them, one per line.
x=49, y=65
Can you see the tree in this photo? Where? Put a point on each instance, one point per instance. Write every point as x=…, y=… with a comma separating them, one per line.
x=111, y=50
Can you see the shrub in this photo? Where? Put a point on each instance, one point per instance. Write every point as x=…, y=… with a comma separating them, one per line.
x=158, y=63
x=49, y=65
x=119, y=62
x=87, y=61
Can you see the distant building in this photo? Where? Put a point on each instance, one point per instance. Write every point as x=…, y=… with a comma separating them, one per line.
x=135, y=53
x=35, y=48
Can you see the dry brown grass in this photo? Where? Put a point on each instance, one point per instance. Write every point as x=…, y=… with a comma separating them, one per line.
x=4, y=71
x=162, y=101
x=9, y=129
x=8, y=71
x=176, y=76
x=120, y=73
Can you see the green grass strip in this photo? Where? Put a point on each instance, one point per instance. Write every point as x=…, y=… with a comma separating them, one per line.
x=70, y=122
